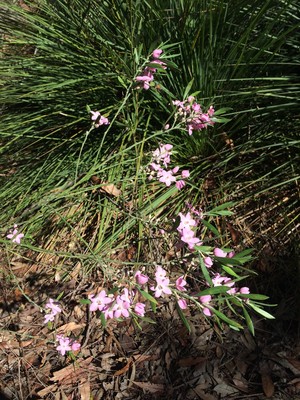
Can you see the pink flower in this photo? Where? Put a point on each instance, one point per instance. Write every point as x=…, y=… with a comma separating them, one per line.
x=180, y=184
x=182, y=303
x=100, y=301
x=161, y=288
x=139, y=308
x=244, y=290
x=205, y=299
x=64, y=344
x=156, y=53
x=186, y=221
x=75, y=346
x=211, y=111
x=160, y=274
x=48, y=318
x=166, y=177
x=99, y=119
x=219, y=252
x=141, y=278
x=188, y=237
x=95, y=115
x=121, y=308
x=127, y=296
x=208, y=262
x=207, y=312
x=231, y=254
x=15, y=236
x=180, y=283
x=54, y=310
x=185, y=173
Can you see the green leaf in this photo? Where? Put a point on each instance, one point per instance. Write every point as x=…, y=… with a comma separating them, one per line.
x=85, y=301
x=147, y=296
x=261, y=311
x=254, y=296
x=183, y=318
x=188, y=88
x=209, y=226
x=226, y=319
x=204, y=271
x=204, y=249
x=248, y=321
x=213, y=290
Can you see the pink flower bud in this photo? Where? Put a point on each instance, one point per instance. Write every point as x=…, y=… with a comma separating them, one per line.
x=244, y=290
x=141, y=278
x=205, y=299
x=219, y=252
x=157, y=53
x=182, y=304
x=208, y=262
x=139, y=308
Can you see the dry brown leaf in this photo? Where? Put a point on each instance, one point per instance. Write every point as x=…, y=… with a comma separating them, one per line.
x=266, y=380
x=124, y=369
x=203, y=395
x=47, y=390
x=267, y=385
x=69, y=327
x=150, y=387
x=85, y=391
x=111, y=189
x=108, y=188
x=72, y=373
x=190, y=361
x=295, y=363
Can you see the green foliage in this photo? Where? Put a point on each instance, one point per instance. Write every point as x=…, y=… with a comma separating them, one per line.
x=63, y=58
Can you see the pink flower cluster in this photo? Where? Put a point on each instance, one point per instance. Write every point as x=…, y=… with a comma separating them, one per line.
x=15, y=236
x=187, y=229
x=98, y=119
x=116, y=307
x=191, y=114
x=161, y=157
x=54, y=309
x=147, y=75
x=66, y=344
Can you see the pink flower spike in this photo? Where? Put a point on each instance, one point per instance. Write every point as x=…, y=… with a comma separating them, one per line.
x=180, y=283
x=245, y=290
x=141, y=278
x=157, y=53
x=182, y=304
x=139, y=308
x=219, y=252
